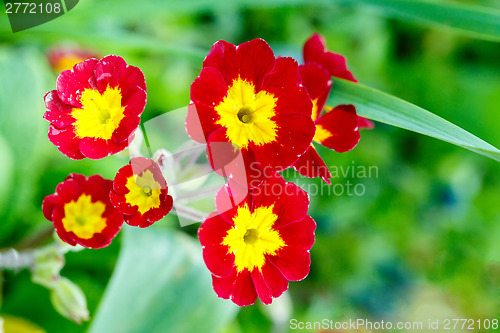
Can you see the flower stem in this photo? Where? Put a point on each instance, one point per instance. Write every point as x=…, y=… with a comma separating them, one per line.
x=14, y=260
x=189, y=213
x=203, y=193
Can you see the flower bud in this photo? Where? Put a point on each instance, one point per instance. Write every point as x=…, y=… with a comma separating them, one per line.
x=68, y=299
x=47, y=265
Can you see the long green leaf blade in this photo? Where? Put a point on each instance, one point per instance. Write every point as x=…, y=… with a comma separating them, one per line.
x=160, y=284
x=481, y=21
x=382, y=107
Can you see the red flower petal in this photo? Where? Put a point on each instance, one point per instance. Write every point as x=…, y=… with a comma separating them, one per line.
x=153, y=215
x=251, y=61
x=290, y=201
x=238, y=287
x=364, y=123
x=294, y=259
x=269, y=282
x=134, y=102
x=58, y=113
x=256, y=60
x=216, y=256
x=342, y=124
x=285, y=75
x=315, y=51
x=295, y=132
x=48, y=206
x=223, y=57
x=63, y=139
x=95, y=148
x=193, y=123
x=228, y=160
x=311, y=165
x=294, y=101
x=209, y=88
x=71, y=83
x=113, y=71
x=318, y=84
x=229, y=197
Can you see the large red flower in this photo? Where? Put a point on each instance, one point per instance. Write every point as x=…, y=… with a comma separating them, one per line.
x=336, y=128
x=246, y=98
x=141, y=193
x=81, y=211
x=257, y=241
x=96, y=107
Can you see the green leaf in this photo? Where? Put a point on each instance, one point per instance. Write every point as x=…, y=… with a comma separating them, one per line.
x=23, y=132
x=482, y=22
x=160, y=284
x=382, y=107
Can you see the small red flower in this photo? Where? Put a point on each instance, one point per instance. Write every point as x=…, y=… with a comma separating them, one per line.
x=257, y=241
x=336, y=128
x=96, y=108
x=64, y=58
x=81, y=211
x=336, y=65
x=315, y=51
x=140, y=192
x=249, y=99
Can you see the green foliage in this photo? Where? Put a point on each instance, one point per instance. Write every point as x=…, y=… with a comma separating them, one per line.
x=479, y=21
x=160, y=281
x=423, y=236
x=388, y=109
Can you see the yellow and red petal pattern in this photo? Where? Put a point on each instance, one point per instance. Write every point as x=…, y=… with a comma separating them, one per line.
x=141, y=193
x=311, y=165
x=338, y=128
x=82, y=212
x=240, y=243
x=315, y=51
x=96, y=108
x=318, y=83
x=246, y=97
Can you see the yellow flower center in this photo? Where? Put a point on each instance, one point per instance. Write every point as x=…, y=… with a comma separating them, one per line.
x=84, y=217
x=252, y=237
x=247, y=115
x=100, y=115
x=144, y=191
x=321, y=134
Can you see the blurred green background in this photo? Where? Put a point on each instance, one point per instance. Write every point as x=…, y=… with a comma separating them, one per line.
x=422, y=242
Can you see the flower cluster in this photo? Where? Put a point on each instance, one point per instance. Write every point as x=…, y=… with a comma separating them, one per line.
x=246, y=102
x=270, y=110
x=94, y=112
